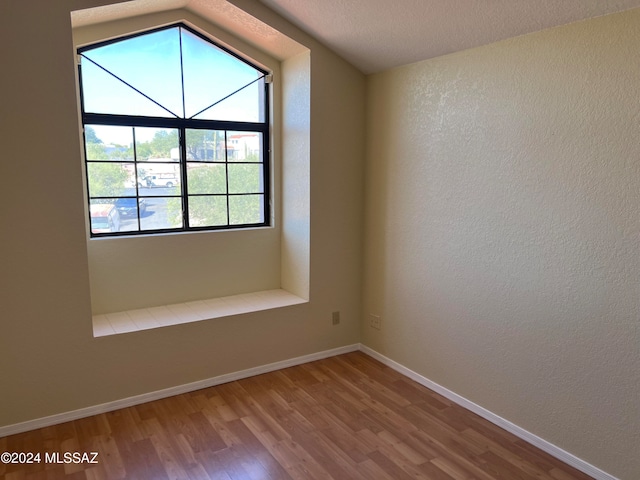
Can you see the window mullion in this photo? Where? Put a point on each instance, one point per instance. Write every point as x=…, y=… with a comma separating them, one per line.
x=135, y=177
x=184, y=107
x=226, y=169
x=183, y=177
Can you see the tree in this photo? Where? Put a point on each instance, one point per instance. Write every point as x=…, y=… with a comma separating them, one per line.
x=207, y=210
x=96, y=151
x=106, y=179
x=90, y=135
x=208, y=190
x=162, y=143
x=205, y=145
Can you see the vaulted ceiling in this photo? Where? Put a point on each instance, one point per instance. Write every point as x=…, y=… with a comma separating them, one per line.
x=375, y=35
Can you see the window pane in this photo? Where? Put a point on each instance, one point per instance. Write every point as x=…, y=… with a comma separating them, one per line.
x=129, y=224
x=109, y=179
x=245, y=178
x=205, y=145
x=102, y=93
x=244, y=147
x=104, y=217
x=157, y=144
x=105, y=142
x=140, y=61
x=207, y=211
x=148, y=176
x=206, y=178
x=245, y=209
x=210, y=75
x=128, y=208
x=158, y=179
x=162, y=213
x=243, y=106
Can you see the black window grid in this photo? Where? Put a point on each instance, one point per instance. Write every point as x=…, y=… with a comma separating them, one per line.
x=183, y=166
x=182, y=125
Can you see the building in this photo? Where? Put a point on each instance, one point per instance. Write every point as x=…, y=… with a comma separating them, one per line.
x=483, y=204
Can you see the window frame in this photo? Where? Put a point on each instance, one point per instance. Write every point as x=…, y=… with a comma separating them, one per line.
x=182, y=125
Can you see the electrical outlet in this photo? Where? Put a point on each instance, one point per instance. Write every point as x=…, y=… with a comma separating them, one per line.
x=375, y=321
x=335, y=318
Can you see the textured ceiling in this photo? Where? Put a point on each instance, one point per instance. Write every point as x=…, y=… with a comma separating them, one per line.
x=375, y=35
x=219, y=12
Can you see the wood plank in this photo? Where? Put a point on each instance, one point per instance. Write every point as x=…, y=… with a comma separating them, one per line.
x=345, y=417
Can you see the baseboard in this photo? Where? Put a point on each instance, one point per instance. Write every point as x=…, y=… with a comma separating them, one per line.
x=525, y=435
x=169, y=392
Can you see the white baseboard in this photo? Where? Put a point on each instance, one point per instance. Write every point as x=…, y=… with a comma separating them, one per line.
x=169, y=392
x=525, y=435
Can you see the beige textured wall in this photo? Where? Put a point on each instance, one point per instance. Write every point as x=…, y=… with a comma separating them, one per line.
x=337, y=106
x=502, y=231
x=49, y=361
x=295, y=179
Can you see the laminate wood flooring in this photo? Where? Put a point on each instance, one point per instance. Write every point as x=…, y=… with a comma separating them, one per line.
x=344, y=417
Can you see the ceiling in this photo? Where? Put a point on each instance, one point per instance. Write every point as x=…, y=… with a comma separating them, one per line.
x=375, y=35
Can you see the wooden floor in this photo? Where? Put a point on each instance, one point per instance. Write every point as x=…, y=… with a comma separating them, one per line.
x=345, y=417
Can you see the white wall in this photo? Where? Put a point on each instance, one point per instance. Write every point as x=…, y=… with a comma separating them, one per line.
x=502, y=231
x=49, y=361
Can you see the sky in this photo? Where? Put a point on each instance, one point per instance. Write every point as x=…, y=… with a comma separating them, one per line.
x=152, y=64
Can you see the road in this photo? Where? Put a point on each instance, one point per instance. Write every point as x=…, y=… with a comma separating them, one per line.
x=159, y=213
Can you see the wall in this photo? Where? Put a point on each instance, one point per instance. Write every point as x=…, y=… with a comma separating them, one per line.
x=49, y=361
x=502, y=231
x=295, y=175
x=501, y=226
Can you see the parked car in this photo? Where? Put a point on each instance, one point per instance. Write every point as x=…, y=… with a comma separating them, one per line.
x=104, y=218
x=128, y=207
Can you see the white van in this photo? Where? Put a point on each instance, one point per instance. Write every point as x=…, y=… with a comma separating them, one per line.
x=161, y=180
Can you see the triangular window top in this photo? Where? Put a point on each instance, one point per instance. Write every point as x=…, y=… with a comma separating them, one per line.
x=171, y=72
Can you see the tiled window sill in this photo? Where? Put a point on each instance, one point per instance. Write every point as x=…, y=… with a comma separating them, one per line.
x=166, y=315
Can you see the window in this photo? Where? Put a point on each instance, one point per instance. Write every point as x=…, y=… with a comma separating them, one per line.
x=176, y=135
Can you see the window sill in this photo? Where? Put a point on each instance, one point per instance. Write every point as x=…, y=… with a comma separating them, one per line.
x=166, y=315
